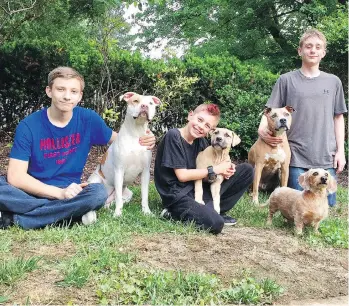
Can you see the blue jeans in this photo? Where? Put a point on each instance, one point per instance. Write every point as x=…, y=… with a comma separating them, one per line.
x=293, y=181
x=32, y=212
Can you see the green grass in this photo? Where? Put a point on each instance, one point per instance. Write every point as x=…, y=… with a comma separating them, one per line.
x=97, y=257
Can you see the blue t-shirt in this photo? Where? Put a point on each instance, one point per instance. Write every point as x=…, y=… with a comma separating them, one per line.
x=57, y=156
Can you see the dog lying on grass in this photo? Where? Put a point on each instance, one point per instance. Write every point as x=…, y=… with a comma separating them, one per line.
x=307, y=207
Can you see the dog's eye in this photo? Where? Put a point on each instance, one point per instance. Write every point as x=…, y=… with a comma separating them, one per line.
x=286, y=114
x=136, y=101
x=315, y=173
x=151, y=103
x=216, y=132
x=226, y=135
x=273, y=115
x=326, y=174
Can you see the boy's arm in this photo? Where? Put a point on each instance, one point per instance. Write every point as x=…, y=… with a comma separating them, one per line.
x=18, y=177
x=186, y=175
x=339, y=158
x=266, y=134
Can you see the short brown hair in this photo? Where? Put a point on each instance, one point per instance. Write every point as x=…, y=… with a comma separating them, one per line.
x=212, y=109
x=66, y=73
x=311, y=33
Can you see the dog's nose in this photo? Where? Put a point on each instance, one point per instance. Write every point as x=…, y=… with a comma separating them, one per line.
x=144, y=107
x=323, y=179
x=219, y=139
x=283, y=121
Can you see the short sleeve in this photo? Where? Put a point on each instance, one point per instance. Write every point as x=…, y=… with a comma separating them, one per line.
x=22, y=144
x=174, y=155
x=100, y=132
x=339, y=103
x=278, y=95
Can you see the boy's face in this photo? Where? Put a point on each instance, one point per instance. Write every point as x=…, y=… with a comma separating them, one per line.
x=65, y=94
x=201, y=123
x=312, y=51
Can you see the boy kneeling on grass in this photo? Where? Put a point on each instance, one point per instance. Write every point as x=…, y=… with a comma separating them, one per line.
x=175, y=172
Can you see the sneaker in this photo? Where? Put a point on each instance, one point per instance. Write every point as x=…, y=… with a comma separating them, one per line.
x=229, y=221
x=6, y=219
x=165, y=214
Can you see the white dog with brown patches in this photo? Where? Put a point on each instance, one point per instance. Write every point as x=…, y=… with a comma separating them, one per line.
x=307, y=207
x=221, y=142
x=126, y=158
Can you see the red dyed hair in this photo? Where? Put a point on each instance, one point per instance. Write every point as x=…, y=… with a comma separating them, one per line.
x=212, y=109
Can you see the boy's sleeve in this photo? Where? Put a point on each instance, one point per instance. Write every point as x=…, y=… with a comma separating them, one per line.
x=174, y=154
x=22, y=144
x=339, y=103
x=278, y=95
x=100, y=132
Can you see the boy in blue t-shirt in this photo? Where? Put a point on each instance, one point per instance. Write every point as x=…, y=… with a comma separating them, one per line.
x=49, y=153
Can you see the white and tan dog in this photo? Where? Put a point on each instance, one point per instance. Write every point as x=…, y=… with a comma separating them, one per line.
x=271, y=164
x=307, y=207
x=126, y=158
x=221, y=142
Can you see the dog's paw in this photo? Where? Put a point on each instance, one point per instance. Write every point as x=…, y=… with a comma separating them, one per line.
x=200, y=201
x=117, y=213
x=89, y=218
x=147, y=212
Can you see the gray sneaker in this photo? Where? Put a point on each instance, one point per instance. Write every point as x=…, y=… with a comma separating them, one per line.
x=228, y=221
x=6, y=219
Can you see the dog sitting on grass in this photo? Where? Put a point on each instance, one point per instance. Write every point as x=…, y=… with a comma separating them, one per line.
x=307, y=207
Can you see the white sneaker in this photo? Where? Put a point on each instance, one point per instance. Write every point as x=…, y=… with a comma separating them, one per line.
x=89, y=218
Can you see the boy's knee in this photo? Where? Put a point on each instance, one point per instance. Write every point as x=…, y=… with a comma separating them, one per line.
x=97, y=195
x=217, y=226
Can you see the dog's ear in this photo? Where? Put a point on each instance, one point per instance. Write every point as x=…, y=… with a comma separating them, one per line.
x=126, y=96
x=332, y=184
x=236, y=140
x=266, y=111
x=303, y=180
x=290, y=109
x=156, y=100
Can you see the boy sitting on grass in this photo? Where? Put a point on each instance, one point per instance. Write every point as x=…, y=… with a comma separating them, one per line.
x=175, y=172
x=48, y=156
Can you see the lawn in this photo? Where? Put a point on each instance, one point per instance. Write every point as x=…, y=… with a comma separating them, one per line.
x=137, y=259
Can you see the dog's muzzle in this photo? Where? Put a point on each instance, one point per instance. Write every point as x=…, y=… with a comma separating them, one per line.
x=142, y=114
x=219, y=142
x=282, y=124
x=323, y=180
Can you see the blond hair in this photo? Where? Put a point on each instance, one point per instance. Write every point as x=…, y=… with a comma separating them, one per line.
x=65, y=73
x=312, y=33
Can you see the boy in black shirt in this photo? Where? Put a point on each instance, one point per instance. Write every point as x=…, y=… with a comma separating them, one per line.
x=175, y=172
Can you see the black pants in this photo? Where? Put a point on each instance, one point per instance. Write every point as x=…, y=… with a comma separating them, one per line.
x=204, y=216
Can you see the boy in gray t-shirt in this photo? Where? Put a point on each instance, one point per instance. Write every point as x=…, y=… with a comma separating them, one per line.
x=316, y=136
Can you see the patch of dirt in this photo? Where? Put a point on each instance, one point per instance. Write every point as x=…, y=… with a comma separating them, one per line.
x=305, y=273
x=40, y=288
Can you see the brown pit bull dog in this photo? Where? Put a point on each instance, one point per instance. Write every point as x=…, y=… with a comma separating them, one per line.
x=221, y=142
x=271, y=164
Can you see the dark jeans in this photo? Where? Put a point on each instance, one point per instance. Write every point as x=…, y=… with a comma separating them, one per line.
x=204, y=216
x=32, y=212
x=295, y=172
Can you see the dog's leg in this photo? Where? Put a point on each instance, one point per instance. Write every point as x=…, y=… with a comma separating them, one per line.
x=316, y=227
x=257, y=177
x=118, y=182
x=273, y=208
x=145, y=191
x=199, y=192
x=299, y=224
x=215, y=191
x=284, y=174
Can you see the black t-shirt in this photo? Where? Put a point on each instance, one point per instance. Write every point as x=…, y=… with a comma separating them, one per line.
x=175, y=153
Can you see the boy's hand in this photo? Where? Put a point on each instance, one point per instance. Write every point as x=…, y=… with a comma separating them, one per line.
x=266, y=135
x=339, y=162
x=148, y=140
x=230, y=172
x=72, y=190
x=223, y=168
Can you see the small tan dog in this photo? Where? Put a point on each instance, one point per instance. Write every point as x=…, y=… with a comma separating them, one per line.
x=307, y=207
x=271, y=164
x=221, y=142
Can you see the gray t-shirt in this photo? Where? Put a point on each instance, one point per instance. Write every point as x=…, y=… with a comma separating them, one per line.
x=316, y=101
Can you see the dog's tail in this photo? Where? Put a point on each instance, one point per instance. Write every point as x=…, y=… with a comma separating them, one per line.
x=264, y=204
